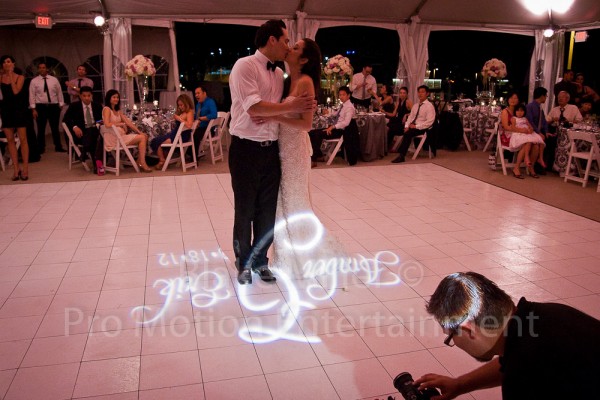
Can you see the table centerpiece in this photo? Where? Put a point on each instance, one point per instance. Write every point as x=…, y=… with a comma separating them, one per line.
x=141, y=68
x=338, y=72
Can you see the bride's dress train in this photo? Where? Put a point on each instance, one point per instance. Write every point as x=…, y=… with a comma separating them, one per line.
x=301, y=243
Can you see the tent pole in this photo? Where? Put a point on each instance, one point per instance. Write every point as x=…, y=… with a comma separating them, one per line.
x=175, y=63
x=571, y=44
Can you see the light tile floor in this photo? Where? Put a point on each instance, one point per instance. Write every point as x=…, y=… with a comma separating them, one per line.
x=124, y=289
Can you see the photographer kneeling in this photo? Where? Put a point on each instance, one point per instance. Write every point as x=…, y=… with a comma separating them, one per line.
x=546, y=350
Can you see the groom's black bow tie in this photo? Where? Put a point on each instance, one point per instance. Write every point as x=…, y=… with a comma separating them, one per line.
x=271, y=65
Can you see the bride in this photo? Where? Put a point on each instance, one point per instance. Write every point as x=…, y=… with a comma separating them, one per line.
x=300, y=241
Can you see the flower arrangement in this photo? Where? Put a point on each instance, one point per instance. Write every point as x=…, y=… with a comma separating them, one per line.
x=493, y=68
x=338, y=66
x=138, y=66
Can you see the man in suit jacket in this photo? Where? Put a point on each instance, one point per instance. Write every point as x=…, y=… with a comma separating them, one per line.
x=81, y=120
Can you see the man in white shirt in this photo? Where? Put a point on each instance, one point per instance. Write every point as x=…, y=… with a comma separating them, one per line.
x=74, y=85
x=256, y=85
x=343, y=116
x=45, y=101
x=363, y=87
x=420, y=119
x=563, y=114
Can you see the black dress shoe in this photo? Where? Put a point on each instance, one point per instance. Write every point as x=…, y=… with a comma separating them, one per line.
x=244, y=277
x=265, y=274
x=60, y=150
x=399, y=159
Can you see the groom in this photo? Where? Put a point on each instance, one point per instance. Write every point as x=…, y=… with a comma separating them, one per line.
x=256, y=86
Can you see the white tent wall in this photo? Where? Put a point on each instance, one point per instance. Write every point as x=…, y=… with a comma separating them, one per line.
x=70, y=46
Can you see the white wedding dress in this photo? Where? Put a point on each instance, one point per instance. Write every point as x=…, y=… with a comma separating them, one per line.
x=300, y=240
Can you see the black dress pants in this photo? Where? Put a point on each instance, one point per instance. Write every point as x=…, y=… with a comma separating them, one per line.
x=255, y=175
x=408, y=137
x=316, y=138
x=92, y=143
x=48, y=113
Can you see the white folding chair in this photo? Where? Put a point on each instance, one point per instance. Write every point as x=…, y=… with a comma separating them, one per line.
x=178, y=143
x=584, y=146
x=74, y=149
x=422, y=139
x=396, y=143
x=492, y=131
x=3, y=163
x=500, y=149
x=214, y=143
x=466, y=133
x=120, y=146
x=330, y=148
x=225, y=136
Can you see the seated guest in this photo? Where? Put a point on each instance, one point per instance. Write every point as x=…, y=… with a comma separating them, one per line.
x=206, y=109
x=584, y=92
x=563, y=114
x=183, y=115
x=585, y=108
x=535, y=116
x=81, y=117
x=113, y=116
x=523, y=136
x=385, y=101
x=397, y=118
x=343, y=117
x=420, y=119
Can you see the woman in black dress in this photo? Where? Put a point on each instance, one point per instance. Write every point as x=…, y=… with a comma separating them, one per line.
x=397, y=117
x=14, y=115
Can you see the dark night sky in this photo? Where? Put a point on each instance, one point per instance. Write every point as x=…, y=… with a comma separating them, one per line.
x=457, y=54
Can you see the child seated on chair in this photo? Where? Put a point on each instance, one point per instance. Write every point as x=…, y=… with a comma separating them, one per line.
x=185, y=115
x=526, y=134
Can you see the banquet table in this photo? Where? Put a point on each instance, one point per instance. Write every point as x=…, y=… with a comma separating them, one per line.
x=478, y=119
x=563, y=146
x=155, y=123
x=373, y=133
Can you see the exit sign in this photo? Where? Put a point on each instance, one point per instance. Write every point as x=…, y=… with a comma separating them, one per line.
x=43, y=21
x=581, y=36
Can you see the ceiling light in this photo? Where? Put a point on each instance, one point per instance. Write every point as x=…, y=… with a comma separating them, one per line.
x=548, y=32
x=99, y=20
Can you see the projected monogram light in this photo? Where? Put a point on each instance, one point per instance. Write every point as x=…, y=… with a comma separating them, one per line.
x=209, y=287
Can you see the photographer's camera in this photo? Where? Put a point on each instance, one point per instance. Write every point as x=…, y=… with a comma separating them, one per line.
x=405, y=384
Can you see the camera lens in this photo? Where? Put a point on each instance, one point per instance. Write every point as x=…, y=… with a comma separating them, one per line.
x=405, y=384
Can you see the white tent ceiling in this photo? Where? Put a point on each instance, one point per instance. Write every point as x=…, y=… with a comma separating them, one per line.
x=412, y=19
x=464, y=13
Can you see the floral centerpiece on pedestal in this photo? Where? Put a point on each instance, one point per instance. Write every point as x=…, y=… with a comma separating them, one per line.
x=338, y=71
x=141, y=68
x=492, y=70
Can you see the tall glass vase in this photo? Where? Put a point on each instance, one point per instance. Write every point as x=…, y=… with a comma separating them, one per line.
x=337, y=84
x=493, y=88
x=143, y=90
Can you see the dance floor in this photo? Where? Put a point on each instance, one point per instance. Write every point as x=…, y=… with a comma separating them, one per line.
x=124, y=289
